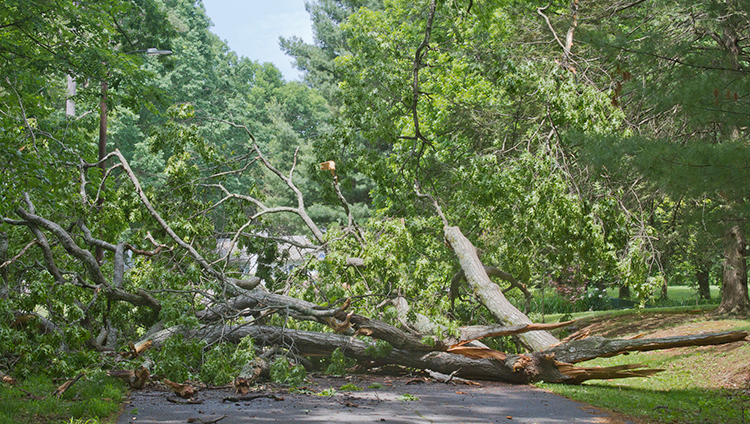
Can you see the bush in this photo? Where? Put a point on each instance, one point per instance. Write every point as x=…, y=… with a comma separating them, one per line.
x=178, y=359
x=596, y=300
x=554, y=303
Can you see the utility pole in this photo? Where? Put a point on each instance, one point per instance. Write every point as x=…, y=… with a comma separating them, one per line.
x=99, y=254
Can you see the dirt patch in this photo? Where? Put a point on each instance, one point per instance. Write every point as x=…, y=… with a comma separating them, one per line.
x=619, y=326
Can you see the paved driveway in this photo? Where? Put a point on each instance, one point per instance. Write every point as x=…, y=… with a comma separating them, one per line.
x=398, y=400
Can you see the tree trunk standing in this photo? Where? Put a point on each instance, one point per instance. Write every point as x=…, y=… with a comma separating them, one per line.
x=624, y=291
x=704, y=287
x=734, y=299
x=102, y=154
x=4, y=286
x=664, y=290
x=490, y=294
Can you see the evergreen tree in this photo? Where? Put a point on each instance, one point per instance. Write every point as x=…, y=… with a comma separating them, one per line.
x=680, y=73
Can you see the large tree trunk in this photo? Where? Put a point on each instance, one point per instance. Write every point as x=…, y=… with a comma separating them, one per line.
x=554, y=365
x=734, y=299
x=490, y=294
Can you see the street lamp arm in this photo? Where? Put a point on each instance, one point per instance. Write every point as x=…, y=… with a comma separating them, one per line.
x=152, y=52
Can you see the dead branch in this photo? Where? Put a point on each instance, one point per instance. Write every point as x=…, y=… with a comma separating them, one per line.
x=136, y=378
x=18, y=256
x=599, y=347
x=185, y=391
x=475, y=332
x=206, y=421
x=295, y=308
x=137, y=349
x=445, y=378
x=351, y=226
x=492, y=271
x=34, y=222
x=65, y=386
x=300, y=210
x=184, y=402
x=490, y=294
x=395, y=336
x=197, y=257
x=251, y=397
x=251, y=372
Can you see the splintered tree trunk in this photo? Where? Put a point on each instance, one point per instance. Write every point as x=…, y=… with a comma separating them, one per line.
x=448, y=356
x=734, y=299
x=555, y=365
x=490, y=294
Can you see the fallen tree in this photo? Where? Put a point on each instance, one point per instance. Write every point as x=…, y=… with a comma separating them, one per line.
x=551, y=365
x=240, y=307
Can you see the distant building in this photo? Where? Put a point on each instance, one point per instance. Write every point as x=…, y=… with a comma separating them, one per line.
x=291, y=254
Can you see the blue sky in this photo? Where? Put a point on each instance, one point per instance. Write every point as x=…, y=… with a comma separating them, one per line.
x=252, y=28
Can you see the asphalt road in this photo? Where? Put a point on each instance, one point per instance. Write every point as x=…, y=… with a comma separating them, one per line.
x=400, y=400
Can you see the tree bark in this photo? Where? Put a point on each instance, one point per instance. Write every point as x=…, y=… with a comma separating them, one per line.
x=701, y=275
x=490, y=294
x=734, y=299
x=624, y=291
x=521, y=369
x=493, y=271
x=599, y=347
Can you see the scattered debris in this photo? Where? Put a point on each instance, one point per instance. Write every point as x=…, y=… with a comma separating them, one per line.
x=184, y=402
x=137, y=349
x=445, y=378
x=253, y=396
x=31, y=395
x=8, y=379
x=137, y=378
x=202, y=421
x=65, y=386
x=184, y=391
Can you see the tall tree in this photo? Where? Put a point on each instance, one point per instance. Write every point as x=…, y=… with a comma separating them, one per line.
x=681, y=76
x=445, y=97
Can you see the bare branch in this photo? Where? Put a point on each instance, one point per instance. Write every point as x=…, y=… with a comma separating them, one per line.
x=142, y=298
x=91, y=241
x=232, y=282
x=351, y=226
x=18, y=256
x=438, y=209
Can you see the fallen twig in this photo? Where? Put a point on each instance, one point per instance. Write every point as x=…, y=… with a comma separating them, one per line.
x=445, y=378
x=251, y=397
x=184, y=402
x=65, y=386
x=202, y=421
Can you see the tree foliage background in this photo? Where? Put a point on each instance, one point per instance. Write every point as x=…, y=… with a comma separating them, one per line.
x=577, y=145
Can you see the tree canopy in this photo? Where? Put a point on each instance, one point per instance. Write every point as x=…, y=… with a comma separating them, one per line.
x=441, y=167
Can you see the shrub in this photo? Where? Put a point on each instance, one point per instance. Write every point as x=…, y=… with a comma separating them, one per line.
x=283, y=372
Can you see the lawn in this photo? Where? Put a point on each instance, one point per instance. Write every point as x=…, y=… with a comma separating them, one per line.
x=91, y=400
x=698, y=385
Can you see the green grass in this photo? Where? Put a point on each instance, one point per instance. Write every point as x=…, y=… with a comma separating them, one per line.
x=680, y=299
x=91, y=400
x=685, y=406
x=621, y=312
x=678, y=294
x=688, y=391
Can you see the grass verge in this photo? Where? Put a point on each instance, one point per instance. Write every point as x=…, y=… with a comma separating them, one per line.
x=708, y=384
x=91, y=400
x=685, y=406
